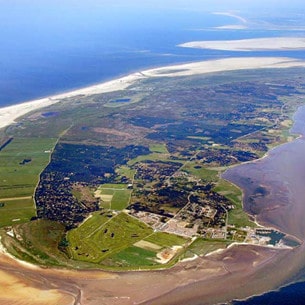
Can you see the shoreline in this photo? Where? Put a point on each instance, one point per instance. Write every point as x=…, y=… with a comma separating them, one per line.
x=25, y=264
x=239, y=263
x=9, y=114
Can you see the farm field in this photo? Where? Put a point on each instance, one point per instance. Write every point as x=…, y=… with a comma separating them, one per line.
x=16, y=211
x=114, y=196
x=21, y=162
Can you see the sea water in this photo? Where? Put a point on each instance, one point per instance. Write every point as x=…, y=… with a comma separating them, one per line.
x=293, y=294
x=49, y=47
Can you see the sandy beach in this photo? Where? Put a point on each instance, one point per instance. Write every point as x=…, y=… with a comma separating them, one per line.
x=257, y=44
x=8, y=115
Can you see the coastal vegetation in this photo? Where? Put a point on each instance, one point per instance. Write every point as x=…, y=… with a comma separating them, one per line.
x=133, y=178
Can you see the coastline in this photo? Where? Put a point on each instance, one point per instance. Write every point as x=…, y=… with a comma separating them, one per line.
x=221, y=273
x=9, y=114
x=298, y=130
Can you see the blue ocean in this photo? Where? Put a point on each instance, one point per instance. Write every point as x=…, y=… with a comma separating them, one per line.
x=293, y=294
x=49, y=47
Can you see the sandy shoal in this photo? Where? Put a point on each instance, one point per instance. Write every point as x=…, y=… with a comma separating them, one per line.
x=235, y=273
x=257, y=44
x=14, y=289
x=9, y=114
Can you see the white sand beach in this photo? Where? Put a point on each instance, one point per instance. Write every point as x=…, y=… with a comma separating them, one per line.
x=9, y=114
x=246, y=45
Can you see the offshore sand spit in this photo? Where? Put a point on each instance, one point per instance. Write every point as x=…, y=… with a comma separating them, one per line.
x=237, y=272
x=257, y=44
x=9, y=114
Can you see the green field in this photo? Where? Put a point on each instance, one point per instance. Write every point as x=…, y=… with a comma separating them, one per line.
x=100, y=237
x=119, y=196
x=158, y=148
x=120, y=200
x=204, y=173
x=202, y=247
x=166, y=240
x=237, y=216
x=16, y=211
x=17, y=179
x=143, y=254
x=134, y=257
x=151, y=157
x=21, y=162
x=126, y=171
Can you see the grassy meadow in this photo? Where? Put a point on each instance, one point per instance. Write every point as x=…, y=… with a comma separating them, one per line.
x=21, y=163
x=114, y=196
x=119, y=240
x=104, y=235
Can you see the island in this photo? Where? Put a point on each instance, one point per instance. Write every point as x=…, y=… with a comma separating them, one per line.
x=121, y=193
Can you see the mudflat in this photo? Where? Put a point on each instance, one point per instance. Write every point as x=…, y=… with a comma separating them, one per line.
x=210, y=279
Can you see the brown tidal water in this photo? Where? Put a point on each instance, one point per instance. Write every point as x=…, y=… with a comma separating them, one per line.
x=274, y=187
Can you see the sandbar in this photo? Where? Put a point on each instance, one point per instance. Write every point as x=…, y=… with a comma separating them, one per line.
x=246, y=45
x=231, y=27
x=8, y=115
x=233, y=15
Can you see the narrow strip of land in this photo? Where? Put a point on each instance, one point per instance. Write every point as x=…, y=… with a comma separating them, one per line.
x=16, y=198
x=257, y=44
x=9, y=114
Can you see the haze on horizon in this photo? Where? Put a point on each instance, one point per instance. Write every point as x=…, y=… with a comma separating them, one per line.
x=169, y=4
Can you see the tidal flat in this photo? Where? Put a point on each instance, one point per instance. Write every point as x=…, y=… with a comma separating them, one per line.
x=273, y=186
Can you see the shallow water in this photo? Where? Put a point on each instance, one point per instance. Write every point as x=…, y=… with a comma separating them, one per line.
x=282, y=175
